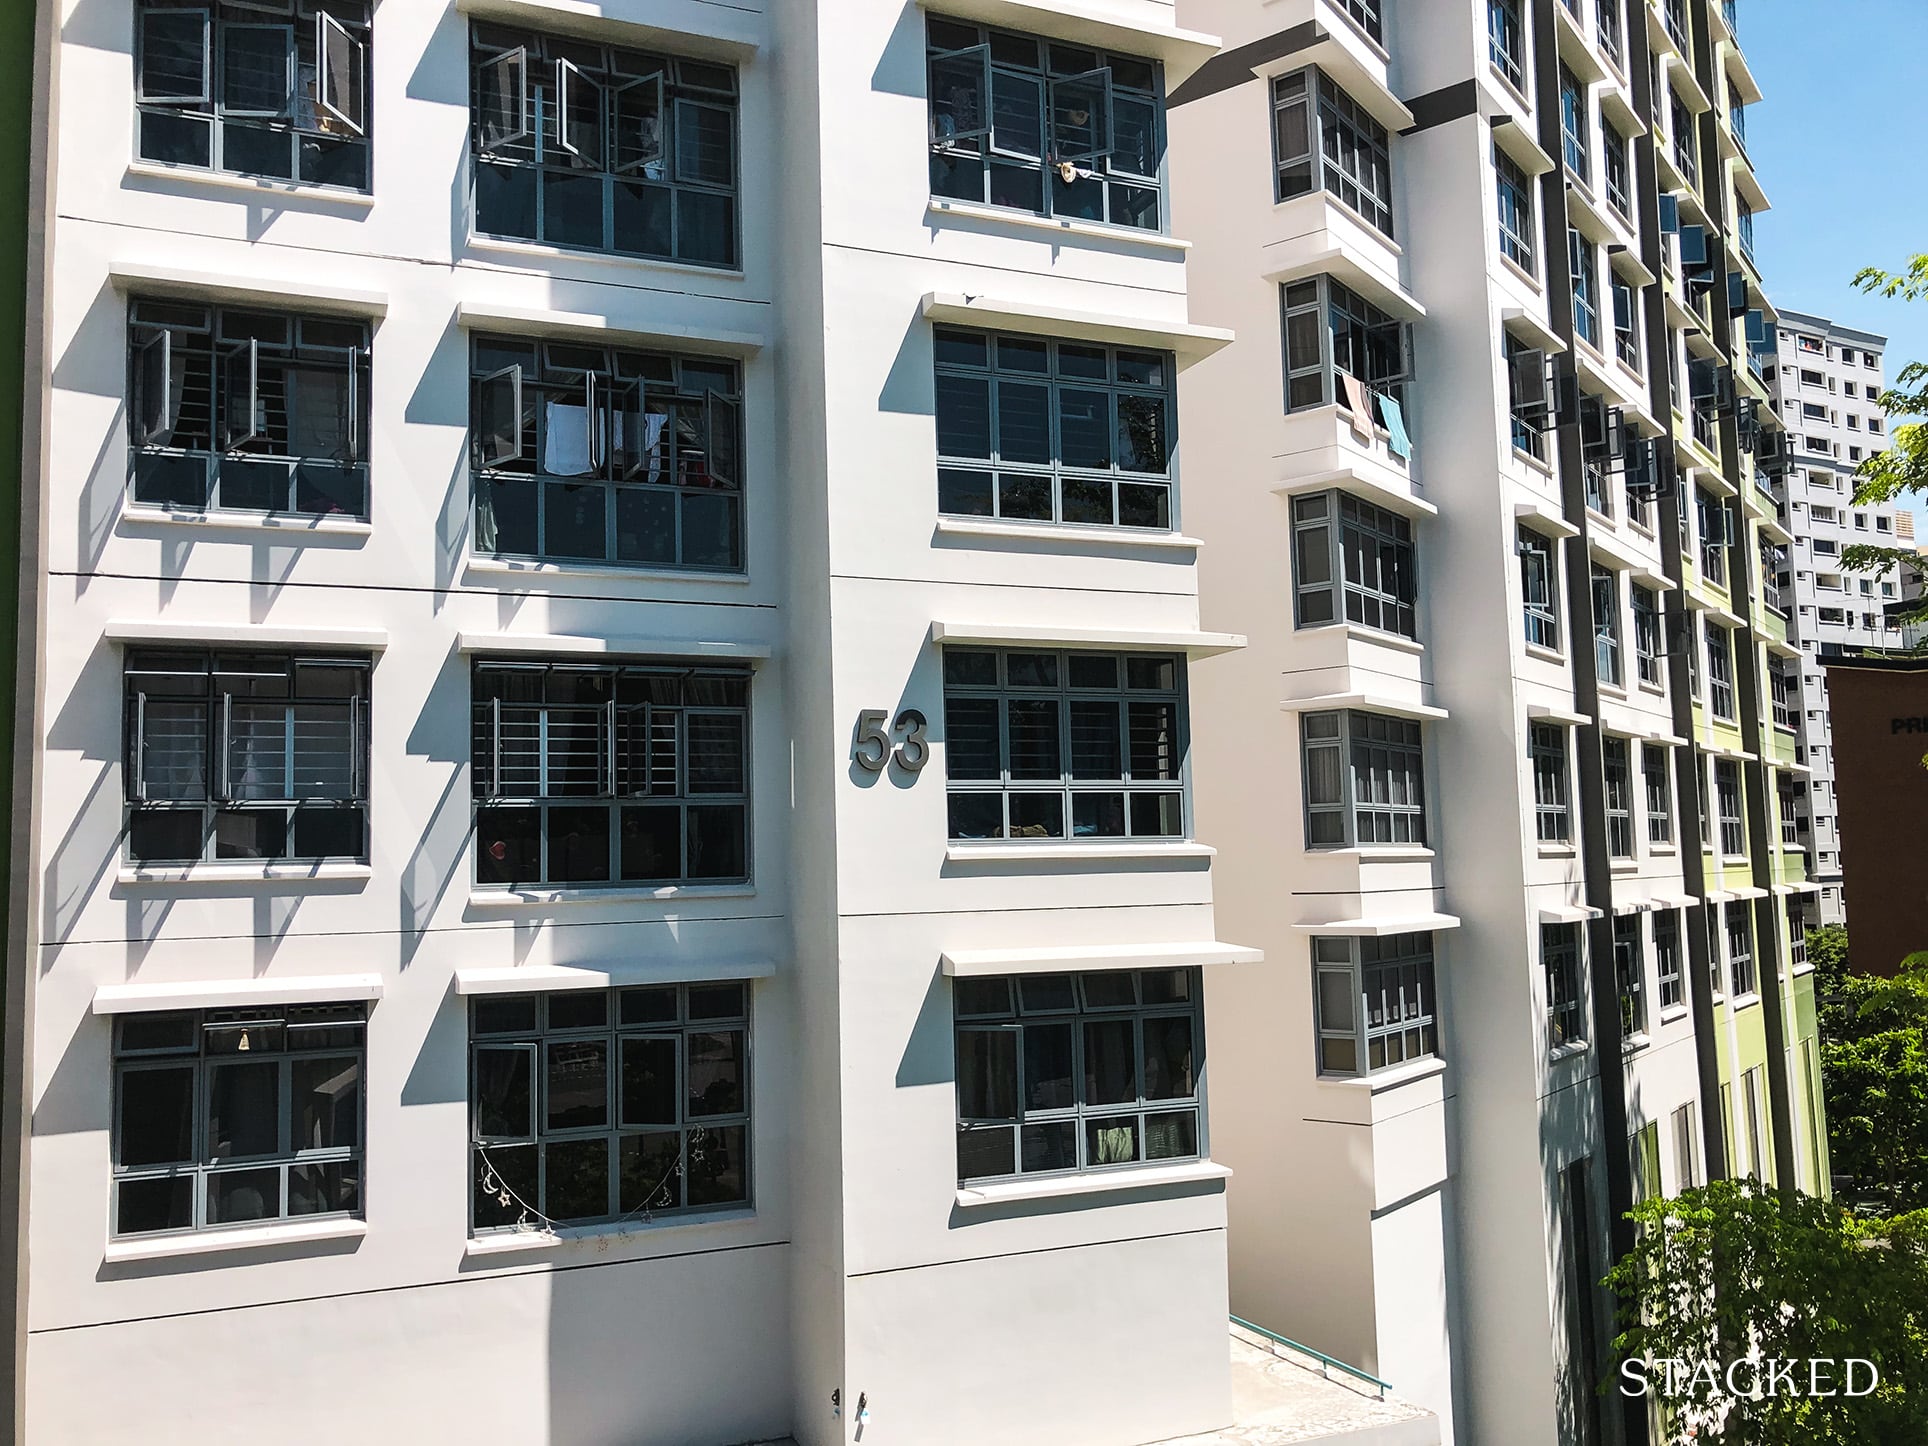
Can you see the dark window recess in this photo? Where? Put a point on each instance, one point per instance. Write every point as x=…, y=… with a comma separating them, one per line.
x=1323, y=139
x=245, y=756
x=1048, y=745
x=1365, y=780
x=587, y=453
x=1033, y=430
x=227, y=1117
x=595, y=774
x=1038, y=126
x=1064, y=1073
x=271, y=88
x=608, y=1104
x=602, y=148
x=1343, y=547
x=256, y=411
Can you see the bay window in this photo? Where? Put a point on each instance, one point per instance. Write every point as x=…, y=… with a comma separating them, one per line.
x=1375, y=1002
x=1365, y=780
x=586, y=453
x=258, y=411
x=1061, y=1074
x=276, y=89
x=1352, y=562
x=1035, y=430
x=1064, y=745
x=608, y=773
x=1342, y=350
x=1323, y=139
x=603, y=148
x=235, y=756
x=1046, y=127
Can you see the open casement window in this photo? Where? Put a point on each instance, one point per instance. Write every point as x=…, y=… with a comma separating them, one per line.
x=176, y=48
x=502, y=99
x=636, y=122
x=159, y=379
x=1081, y=120
x=722, y=428
x=341, y=73
x=240, y=395
x=960, y=87
x=577, y=121
x=498, y=418
x=257, y=70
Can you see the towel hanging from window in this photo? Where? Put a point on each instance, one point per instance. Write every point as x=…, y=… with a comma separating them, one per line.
x=1391, y=414
x=1356, y=403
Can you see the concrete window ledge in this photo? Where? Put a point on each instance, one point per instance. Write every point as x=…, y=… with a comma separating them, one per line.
x=215, y=1242
x=1052, y=1187
x=593, y=1237
x=551, y=898
x=999, y=853
x=277, y=874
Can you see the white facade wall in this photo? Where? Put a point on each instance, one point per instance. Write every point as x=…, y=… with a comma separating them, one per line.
x=856, y=1268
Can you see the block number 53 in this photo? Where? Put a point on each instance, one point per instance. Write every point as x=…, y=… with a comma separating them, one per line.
x=874, y=748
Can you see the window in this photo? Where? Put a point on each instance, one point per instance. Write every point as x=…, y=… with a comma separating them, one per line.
x=1667, y=957
x=1034, y=430
x=1618, y=169
x=1527, y=407
x=1560, y=955
x=1619, y=796
x=1657, y=775
x=1727, y=792
x=258, y=411
x=1366, y=13
x=1720, y=671
x=269, y=88
x=1537, y=573
x=1552, y=813
x=1646, y=635
x=1365, y=780
x=1686, y=1148
x=245, y=756
x=603, y=148
x=1573, y=125
x=1626, y=322
x=1058, y=1073
x=1038, y=126
x=1874, y=424
x=1033, y=739
x=1344, y=545
x=587, y=453
x=1796, y=935
x=1516, y=210
x=1713, y=520
x=1375, y=1002
x=1586, y=288
x=1610, y=28
x=1790, y=822
x=1630, y=974
x=1740, y=948
x=591, y=774
x=1506, y=40
x=1686, y=150
x=604, y=1104
x=1781, y=687
x=1323, y=139
x=236, y=1116
x=1606, y=625
x=1340, y=348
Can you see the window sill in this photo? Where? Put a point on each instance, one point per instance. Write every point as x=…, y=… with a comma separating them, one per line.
x=488, y=898
x=1547, y=655
x=1662, y=851
x=1538, y=464
x=213, y=1242
x=1053, y=1187
x=1064, y=226
x=1360, y=634
x=596, y=1237
x=513, y=567
x=1558, y=851
x=1388, y=1079
x=508, y=246
x=1657, y=689
x=1002, y=851
x=1673, y=1012
x=1526, y=277
x=1634, y=1043
x=1744, y=1001
x=226, y=519
x=259, y=186
x=1071, y=536
x=1575, y=1050
x=1377, y=854
x=1625, y=867
x=239, y=873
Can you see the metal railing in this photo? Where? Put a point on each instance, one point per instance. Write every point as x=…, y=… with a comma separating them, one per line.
x=1327, y=1364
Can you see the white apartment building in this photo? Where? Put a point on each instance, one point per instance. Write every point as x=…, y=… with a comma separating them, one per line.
x=611, y=852
x=1498, y=782
x=1827, y=387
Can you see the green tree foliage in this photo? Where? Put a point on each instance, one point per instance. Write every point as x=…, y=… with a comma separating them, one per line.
x=1737, y=1270
x=1874, y=1069
x=1902, y=469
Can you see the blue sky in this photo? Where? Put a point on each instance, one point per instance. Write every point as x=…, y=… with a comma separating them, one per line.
x=1836, y=145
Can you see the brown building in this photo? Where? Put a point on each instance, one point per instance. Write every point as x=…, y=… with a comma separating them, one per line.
x=1878, y=704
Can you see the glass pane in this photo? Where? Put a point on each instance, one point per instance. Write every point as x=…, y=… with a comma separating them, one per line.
x=1171, y=1137
x=1169, y=1067
x=237, y=1195
x=984, y=1153
x=1112, y=990
x=1111, y=1142
x=1111, y=1075
x=505, y=1184
x=148, y=1205
x=157, y=1117
x=716, y=1073
x=717, y=1167
x=987, y=1074
x=576, y=1179
x=327, y=1103
x=1338, y=1000
x=1049, y=1069
x=244, y=1110
x=649, y=1081
x=1084, y=428
x=1023, y=422
x=325, y=1189
x=503, y=1092
x=1052, y=1146
x=1033, y=730
x=576, y=1084
x=717, y=1001
x=650, y=1168
x=1037, y=815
